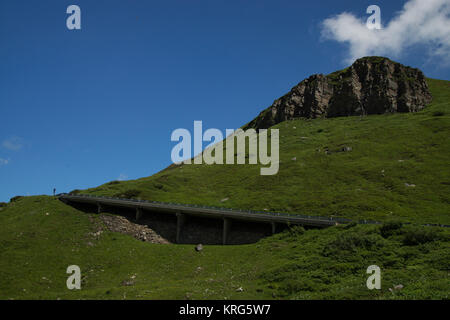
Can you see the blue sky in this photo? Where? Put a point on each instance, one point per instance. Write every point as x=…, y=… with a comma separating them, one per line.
x=83, y=107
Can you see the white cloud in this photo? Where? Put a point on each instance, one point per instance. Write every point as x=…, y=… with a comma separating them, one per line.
x=13, y=143
x=420, y=22
x=4, y=162
x=122, y=177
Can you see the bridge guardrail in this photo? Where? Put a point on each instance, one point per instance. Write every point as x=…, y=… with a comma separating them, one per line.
x=279, y=214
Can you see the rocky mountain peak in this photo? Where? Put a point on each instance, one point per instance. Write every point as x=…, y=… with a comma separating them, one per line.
x=372, y=85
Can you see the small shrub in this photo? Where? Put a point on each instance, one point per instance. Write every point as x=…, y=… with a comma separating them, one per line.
x=418, y=236
x=113, y=183
x=291, y=234
x=390, y=228
x=350, y=242
x=74, y=192
x=129, y=194
x=438, y=113
x=16, y=198
x=3, y=204
x=296, y=231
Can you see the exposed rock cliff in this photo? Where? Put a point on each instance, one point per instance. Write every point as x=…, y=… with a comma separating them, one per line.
x=372, y=85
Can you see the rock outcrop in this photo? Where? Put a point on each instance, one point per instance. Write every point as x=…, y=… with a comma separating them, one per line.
x=372, y=85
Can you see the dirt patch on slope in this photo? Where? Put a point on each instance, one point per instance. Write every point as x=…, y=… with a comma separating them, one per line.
x=141, y=232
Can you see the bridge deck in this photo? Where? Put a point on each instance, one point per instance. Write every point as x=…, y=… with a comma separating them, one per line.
x=207, y=212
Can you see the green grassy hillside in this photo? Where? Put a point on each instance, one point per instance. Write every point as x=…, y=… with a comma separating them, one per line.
x=398, y=167
x=40, y=237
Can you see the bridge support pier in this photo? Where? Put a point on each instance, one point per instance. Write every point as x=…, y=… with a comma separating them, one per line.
x=181, y=220
x=274, y=227
x=226, y=230
x=99, y=208
x=138, y=213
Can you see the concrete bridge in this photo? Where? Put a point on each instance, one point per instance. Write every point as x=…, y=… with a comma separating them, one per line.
x=275, y=221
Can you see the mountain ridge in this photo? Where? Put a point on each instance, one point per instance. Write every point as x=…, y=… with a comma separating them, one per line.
x=371, y=85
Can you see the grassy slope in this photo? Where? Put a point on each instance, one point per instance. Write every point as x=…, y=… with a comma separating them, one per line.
x=410, y=148
x=36, y=249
